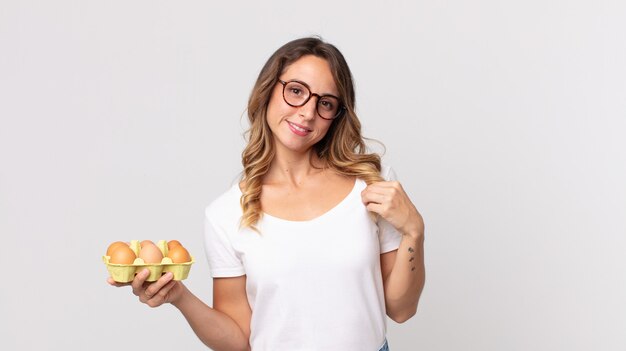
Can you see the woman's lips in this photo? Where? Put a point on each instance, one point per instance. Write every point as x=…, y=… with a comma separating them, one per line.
x=298, y=129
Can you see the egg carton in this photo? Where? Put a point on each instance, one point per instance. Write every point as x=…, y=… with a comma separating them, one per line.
x=124, y=273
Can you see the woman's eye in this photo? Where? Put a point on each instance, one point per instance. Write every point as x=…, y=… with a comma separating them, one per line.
x=327, y=105
x=296, y=91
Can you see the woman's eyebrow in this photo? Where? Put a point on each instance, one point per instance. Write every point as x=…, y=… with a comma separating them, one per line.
x=309, y=86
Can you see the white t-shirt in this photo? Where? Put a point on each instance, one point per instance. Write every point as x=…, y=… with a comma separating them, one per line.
x=312, y=285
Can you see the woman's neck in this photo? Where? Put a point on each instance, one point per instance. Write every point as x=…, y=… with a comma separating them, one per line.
x=293, y=169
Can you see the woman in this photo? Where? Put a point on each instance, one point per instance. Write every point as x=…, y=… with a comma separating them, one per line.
x=317, y=242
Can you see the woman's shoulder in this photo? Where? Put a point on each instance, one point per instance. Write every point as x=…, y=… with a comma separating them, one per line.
x=225, y=205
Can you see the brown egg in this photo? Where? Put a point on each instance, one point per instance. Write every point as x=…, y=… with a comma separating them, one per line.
x=112, y=247
x=179, y=254
x=150, y=253
x=173, y=243
x=146, y=242
x=122, y=255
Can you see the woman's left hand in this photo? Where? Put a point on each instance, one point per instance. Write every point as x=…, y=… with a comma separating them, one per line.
x=390, y=201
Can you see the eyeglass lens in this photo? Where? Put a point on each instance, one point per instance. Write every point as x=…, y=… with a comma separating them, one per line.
x=298, y=94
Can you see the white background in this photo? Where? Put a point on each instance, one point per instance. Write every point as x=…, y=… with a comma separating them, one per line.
x=505, y=121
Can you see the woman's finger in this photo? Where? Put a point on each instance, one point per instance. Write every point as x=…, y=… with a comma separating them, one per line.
x=137, y=283
x=376, y=208
x=162, y=294
x=155, y=287
x=386, y=184
x=368, y=197
x=114, y=283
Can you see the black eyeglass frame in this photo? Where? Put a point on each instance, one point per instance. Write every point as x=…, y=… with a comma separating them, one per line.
x=340, y=110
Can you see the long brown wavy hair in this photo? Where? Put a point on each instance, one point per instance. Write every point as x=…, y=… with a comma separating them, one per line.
x=343, y=147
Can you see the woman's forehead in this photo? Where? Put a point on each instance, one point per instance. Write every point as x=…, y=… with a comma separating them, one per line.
x=313, y=71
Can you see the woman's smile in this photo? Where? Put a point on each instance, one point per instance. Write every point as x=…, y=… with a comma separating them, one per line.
x=299, y=129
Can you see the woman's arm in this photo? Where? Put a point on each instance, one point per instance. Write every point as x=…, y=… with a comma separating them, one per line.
x=226, y=327
x=403, y=278
x=403, y=270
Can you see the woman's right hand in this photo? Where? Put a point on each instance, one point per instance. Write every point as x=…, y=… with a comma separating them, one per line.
x=154, y=294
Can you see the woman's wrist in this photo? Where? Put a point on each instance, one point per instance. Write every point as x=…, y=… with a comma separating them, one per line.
x=414, y=228
x=181, y=298
x=414, y=235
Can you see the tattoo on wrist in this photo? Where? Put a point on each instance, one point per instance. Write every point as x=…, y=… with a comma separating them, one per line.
x=411, y=250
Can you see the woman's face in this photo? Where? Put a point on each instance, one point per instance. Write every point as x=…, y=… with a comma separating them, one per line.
x=297, y=129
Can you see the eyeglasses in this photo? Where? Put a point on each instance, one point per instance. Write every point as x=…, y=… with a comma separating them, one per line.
x=297, y=93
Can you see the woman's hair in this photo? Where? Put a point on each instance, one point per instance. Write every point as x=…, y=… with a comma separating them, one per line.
x=342, y=148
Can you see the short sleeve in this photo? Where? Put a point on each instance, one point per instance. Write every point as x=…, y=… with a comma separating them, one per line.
x=223, y=260
x=388, y=236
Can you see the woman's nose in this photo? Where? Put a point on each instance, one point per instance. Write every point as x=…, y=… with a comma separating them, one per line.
x=309, y=110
